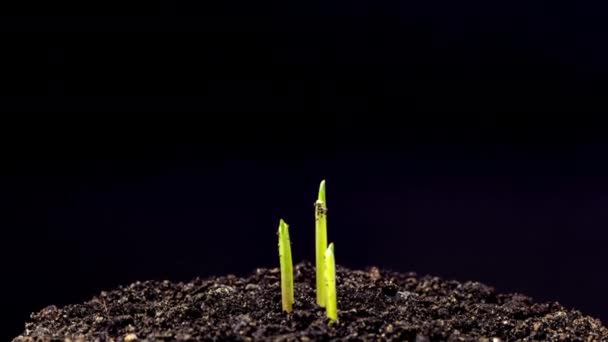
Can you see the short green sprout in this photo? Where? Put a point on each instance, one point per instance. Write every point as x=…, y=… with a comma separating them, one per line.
x=286, y=267
x=331, y=302
x=321, y=242
x=325, y=262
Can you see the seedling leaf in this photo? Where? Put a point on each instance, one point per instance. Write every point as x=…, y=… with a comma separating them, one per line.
x=287, y=296
x=330, y=282
x=321, y=242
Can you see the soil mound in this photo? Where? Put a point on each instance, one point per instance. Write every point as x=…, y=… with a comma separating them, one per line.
x=373, y=305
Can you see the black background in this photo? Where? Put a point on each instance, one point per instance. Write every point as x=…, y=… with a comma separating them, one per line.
x=458, y=139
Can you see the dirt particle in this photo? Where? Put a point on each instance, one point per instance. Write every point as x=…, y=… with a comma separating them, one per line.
x=222, y=290
x=130, y=337
x=374, y=274
x=404, y=295
x=252, y=287
x=422, y=338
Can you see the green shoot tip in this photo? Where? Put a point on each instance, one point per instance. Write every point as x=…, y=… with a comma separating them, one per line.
x=331, y=302
x=286, y=263
x=330, y=249
x=321, y=197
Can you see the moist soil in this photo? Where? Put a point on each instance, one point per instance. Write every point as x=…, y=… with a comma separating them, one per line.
x=373, y=305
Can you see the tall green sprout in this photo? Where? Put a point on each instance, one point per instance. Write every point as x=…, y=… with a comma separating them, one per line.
x=286, y=267
x=321, y=242
x=331, y=301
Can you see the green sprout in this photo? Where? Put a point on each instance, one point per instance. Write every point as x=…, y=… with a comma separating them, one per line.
x=286, y=266
x=331, y=301
x=321, y=242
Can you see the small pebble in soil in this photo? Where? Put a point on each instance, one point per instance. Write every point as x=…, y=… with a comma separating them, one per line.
x=130, y=337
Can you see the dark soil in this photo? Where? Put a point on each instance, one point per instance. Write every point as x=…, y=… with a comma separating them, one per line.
x=373, y=305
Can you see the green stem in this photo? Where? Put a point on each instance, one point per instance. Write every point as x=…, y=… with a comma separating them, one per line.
x=330, y=278
x=321, y=242
x=286, y=267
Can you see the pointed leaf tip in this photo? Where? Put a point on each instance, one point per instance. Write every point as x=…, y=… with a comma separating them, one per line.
x=330, y=249
x=322, y=191
x=283, y=224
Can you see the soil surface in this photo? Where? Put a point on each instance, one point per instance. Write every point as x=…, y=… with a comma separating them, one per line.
x=373, y=305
